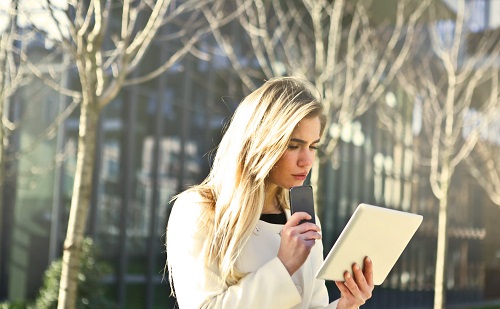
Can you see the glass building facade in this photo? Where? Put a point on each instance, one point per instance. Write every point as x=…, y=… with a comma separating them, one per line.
x=157, y=139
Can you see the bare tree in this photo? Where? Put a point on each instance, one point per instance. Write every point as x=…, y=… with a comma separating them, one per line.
x=16, y=75
x=484, y=162
x=337, y=45
x=12, y=74
x=105, y=54
x=446, y=81
x=12, y=77
x=9, y=78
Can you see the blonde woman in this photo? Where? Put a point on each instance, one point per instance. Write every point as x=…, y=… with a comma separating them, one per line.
x=231, y=241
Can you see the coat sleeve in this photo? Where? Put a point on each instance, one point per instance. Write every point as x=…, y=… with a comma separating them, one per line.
x=197, y=285
x=320, y=292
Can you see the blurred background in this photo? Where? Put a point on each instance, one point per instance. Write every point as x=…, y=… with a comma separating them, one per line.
x=411, y=89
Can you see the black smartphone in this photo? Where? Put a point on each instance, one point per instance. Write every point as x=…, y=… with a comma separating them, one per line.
x=301, y=199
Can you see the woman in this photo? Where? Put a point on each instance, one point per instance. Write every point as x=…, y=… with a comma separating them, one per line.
x=231, y=241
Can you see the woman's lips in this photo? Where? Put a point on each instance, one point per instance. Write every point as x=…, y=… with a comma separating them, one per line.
x=300, y=176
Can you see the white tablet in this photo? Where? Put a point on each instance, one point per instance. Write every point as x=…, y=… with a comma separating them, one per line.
x=377, y=232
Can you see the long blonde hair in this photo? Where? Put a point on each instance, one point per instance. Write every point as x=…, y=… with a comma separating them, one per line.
x=258, y=135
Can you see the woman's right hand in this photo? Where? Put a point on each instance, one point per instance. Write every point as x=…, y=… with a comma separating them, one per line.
x=297, y=241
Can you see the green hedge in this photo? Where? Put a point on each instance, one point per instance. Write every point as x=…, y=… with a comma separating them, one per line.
x=90, y=294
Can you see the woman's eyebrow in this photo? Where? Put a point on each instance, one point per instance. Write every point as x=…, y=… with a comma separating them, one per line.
x=300, y=141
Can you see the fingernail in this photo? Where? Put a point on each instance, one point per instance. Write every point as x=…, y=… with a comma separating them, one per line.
x=348, y=275
x=356, y=267
x=368, y=260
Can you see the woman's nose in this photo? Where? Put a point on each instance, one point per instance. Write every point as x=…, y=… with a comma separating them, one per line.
x=306, y=158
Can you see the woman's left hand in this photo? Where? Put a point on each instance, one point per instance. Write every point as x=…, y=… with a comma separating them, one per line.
x=355, y=291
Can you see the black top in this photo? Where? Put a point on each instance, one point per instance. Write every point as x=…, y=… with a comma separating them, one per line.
x=274, y=218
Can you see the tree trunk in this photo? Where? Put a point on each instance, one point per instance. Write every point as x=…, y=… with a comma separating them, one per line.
x=79, y=205
x=442, y=242
x=2, y=181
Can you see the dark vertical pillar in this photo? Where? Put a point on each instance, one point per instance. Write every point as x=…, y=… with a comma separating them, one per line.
x=7, y=196
x=127, y=166
x=368, y=154
x=55, y=239
x=208, y=110
x=185, y=124
x=153, y=242
x=8, y=201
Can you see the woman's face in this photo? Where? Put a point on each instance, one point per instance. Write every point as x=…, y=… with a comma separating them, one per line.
x=292, y=168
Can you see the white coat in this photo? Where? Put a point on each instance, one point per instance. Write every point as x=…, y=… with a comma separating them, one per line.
x=267, y=283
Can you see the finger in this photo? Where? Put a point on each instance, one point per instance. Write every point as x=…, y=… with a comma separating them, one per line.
x=368, y=271
x=350, y=299
x=342, y=288
x=352, y=286
x=309, y=243
x=297, y=217
x=359, y=276
x=311, y=235
x=307, y=226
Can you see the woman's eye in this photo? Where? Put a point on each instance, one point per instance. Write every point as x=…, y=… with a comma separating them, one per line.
x=293, y=147
x=314, y=147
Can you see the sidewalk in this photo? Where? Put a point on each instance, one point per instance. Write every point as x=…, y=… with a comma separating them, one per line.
x=493, y=304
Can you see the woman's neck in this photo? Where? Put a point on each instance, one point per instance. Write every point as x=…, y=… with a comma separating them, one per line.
x=271, y=203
